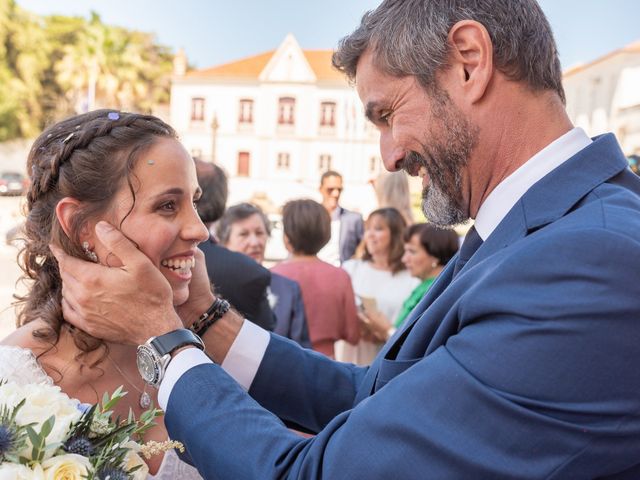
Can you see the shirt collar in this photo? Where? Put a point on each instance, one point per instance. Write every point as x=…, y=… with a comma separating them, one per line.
x=512, y=188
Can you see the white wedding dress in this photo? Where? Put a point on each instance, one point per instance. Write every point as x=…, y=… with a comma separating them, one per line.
x=19, y=365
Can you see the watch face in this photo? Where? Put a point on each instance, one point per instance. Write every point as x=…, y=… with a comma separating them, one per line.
x=147, y=364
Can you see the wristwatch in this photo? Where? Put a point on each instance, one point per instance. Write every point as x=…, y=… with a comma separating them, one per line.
x=154, y=356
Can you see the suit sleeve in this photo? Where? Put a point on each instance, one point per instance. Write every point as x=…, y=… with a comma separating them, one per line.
x=243, y=282
x=299, y=328
x=538, y=382
x=359, y=229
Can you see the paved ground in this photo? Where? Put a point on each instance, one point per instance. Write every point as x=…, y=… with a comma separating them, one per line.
x=9, y=270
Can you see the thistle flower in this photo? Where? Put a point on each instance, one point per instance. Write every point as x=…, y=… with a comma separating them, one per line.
x=79, y=445
x=12, y=437
x=110, y=473
x=7, y=440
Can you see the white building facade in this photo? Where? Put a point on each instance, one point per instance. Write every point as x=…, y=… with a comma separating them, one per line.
x=604, y=96
x=275, y=122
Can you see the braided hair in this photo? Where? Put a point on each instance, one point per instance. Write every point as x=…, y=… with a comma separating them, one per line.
x=88, y=157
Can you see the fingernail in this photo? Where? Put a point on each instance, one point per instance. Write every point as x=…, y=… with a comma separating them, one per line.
x=103, y=227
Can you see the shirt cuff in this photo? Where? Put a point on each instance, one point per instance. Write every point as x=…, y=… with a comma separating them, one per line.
x=246, y=354
x=183, y=361
x=241, y=363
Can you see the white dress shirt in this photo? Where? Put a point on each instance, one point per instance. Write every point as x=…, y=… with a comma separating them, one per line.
x=249, y=347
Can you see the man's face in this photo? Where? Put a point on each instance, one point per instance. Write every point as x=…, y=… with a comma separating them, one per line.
x=423, y=133
x=331, y=189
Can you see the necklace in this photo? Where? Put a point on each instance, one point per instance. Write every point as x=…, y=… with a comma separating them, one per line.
x=145, y=399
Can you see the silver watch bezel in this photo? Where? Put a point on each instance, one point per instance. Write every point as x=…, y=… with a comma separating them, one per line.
x=147, y=356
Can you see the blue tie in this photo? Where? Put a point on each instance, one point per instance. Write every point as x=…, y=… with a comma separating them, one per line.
x=472, y=242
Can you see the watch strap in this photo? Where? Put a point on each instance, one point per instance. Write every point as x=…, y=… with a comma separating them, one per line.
x=169, y=342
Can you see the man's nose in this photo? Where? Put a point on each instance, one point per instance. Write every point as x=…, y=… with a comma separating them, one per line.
x=392, y=156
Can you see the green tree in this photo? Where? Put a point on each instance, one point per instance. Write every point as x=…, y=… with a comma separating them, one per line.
x=23, y=59
x=54, y=66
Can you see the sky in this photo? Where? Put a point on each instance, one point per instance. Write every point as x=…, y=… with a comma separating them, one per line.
x=213, y=32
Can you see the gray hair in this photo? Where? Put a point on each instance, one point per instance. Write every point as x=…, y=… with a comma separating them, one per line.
x=235, y=214
x=409, y=37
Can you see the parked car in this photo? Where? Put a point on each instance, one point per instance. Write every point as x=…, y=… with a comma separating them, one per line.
x=12, y=183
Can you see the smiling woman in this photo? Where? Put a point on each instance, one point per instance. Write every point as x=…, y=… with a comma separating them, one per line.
x=131, y=171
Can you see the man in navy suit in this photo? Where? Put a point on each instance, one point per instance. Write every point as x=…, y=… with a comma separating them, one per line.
x=347, y=227
x=522, y=359
x=239, y=279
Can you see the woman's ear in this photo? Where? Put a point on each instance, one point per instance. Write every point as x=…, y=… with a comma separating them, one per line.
x=287, y=243
x=66, y=209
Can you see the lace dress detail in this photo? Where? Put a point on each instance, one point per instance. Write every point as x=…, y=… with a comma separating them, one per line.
x=20, y=365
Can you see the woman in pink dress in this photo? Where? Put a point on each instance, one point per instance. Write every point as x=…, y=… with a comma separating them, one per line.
x=326, y=290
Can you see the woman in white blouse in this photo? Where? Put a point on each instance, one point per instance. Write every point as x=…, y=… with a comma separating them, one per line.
x=380, y=281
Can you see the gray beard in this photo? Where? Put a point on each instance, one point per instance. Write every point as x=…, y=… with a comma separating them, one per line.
x=440, y=209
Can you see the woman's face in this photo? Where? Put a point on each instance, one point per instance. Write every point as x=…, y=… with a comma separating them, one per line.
x=417, y=260
x=249, y=236
x=163, y=222
x=377, y=236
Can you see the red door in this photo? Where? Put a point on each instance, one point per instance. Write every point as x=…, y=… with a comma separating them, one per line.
x=244, y=163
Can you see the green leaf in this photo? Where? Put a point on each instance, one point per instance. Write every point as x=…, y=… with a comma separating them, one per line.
x=105, y=399
x=47, y=426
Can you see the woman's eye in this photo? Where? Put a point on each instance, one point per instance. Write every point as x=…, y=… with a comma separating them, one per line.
x=168, y=206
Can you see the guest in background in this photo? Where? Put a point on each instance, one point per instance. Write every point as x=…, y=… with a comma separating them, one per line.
x=427, y=249
x=244, y=228
x=235, y=277
x=346, y=226
x=392, y=190
x=326, y=290
x=379, y=279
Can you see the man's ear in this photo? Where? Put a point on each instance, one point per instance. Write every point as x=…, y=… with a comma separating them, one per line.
x=471, y=57
x=66, y=209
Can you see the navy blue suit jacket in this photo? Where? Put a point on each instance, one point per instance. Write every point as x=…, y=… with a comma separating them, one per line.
x=241, y=280
x=351, y=232
x=291, y=321
x=525, y=365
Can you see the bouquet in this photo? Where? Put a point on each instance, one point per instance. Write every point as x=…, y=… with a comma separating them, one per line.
x=44, y=434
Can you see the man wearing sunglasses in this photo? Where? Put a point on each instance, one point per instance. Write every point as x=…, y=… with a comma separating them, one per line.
x=347, y=227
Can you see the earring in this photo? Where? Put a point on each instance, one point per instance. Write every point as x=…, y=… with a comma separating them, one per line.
x=91, y=255
x=434, y=264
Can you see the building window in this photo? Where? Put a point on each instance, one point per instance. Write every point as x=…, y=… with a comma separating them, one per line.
x=286, y=110
x=246, y=111
x=197, y=109
x=244, y=164
x=328, y=114
x=324, y=163
x=283, y=161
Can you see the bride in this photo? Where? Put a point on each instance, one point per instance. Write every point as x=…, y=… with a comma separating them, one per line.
x=130, y=170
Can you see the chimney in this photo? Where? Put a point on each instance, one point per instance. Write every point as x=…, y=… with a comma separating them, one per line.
x=180, y=63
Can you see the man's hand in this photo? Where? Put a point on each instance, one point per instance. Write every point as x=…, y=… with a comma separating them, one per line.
x=126, y=304
x=200, y=294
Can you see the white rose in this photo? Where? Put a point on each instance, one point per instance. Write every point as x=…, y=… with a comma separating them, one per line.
x=42, y=401
x=11, y=394
x=14, y=471
x=66, y=467
x=133, y=460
